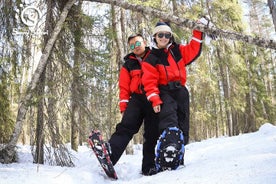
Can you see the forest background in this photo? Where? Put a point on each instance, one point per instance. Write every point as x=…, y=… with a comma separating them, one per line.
x=232, y=84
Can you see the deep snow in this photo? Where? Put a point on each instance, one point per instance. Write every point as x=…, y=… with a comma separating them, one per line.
x=247, y=158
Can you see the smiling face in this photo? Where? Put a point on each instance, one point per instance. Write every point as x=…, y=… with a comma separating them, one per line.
x=137, y=45
x=162, y=39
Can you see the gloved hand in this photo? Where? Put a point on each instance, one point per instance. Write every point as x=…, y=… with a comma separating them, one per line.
x=123, y=106
x=204, y=20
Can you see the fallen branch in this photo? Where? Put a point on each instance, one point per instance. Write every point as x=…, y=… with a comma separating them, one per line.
x=261, y=42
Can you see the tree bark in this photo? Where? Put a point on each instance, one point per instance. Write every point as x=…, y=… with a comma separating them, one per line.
x=8, y=152
x=76, y=87
x=272, y=7
x=39, y=137
x=226, y=93
x=261, y=42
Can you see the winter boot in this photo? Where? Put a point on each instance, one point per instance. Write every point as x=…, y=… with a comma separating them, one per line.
x=150, y=171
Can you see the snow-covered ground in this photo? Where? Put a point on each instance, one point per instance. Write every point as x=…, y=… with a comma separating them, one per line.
x=248, y=158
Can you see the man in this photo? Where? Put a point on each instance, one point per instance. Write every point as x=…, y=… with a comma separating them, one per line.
x=135, y=108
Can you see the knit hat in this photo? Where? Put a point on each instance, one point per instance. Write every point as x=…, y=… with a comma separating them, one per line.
x=162, y=26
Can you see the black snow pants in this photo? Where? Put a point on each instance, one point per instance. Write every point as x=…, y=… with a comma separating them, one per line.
x=139, y=110
x=175, y=110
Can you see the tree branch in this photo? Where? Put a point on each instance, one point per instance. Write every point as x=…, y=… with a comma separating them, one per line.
x=261, y=42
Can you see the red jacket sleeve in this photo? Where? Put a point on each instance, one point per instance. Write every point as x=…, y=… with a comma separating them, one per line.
x=192, y=50
x=124, y=87
x=150, y=82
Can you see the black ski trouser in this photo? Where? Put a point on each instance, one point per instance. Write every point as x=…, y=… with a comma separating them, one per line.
x=139, y=110
x=175, y=110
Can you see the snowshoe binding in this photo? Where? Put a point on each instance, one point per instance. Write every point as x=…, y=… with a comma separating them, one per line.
x=102, y=151
x=170, y=149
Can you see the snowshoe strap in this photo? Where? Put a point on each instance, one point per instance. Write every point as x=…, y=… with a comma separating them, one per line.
x=169, y=149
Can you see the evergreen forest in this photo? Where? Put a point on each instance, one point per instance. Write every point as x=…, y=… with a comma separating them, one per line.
x=60, y=62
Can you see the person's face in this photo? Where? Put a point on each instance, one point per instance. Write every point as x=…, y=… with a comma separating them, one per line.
x=162, y=39
x=137, y=45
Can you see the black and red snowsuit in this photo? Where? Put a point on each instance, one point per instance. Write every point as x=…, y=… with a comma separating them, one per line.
x=164, y=80
x=137, y=109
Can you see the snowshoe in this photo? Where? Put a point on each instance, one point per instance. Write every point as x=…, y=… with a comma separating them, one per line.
x=102, y=151
x=170, y=149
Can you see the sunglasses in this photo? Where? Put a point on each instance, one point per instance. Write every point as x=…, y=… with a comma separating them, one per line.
x=137, y=44
x=167, y=35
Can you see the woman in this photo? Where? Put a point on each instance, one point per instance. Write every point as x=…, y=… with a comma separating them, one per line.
x=164, y=79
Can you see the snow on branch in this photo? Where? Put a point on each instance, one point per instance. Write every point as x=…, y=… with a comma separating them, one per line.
x=261, y=42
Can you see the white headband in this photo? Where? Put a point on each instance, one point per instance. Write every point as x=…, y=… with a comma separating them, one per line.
x=163, y=28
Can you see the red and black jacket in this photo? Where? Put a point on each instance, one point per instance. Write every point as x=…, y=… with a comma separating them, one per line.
x=130, y=79
x=167, y=65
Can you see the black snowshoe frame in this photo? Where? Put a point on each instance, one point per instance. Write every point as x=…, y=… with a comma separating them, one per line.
x=170, y=149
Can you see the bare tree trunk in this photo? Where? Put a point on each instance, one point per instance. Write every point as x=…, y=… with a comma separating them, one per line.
x=191, y=24
x=75, y=109
x=226, y=92
x=39, y=141
x=272, y=7
x=194, y=126
x=76, y=88
x=51, y=108
x=118, y=58
x=8, y=152
x=116, y=25
x=174, y=7
x=124, y=39
x=250, y=116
